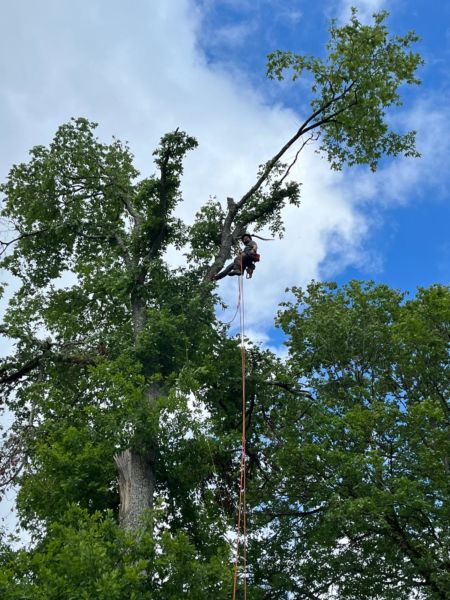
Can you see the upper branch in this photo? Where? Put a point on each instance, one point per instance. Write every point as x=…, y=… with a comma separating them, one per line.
x=318, y=118
x=308, y=125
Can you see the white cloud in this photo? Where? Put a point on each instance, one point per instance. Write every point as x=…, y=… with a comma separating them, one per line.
x=233, y=35
x=342, y=9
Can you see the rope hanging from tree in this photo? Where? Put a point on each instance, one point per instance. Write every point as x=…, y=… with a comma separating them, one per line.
x=241, y=525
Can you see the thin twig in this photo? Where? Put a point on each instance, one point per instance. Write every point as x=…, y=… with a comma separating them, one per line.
x=312, y=137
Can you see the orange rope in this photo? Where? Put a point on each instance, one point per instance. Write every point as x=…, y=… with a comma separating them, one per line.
x=242, y=478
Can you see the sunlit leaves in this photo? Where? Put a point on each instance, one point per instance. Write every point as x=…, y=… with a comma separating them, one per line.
x=353, y=87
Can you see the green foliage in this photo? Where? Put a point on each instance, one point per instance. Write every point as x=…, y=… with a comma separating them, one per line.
x=205, y=233
x=89, y=556
x=359, y=496
x=74, y=465
x=353, y=87
x=54, y=201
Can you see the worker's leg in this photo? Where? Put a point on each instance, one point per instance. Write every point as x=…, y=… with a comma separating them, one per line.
x=225, y=272
x=236, y=270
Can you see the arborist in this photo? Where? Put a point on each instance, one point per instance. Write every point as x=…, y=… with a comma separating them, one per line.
x=244, y=261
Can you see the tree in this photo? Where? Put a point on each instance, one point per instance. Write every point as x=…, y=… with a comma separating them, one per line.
x=358, y=501
x=110, y=343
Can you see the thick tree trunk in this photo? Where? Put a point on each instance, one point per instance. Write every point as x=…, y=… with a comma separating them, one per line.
x=137, y=485
x=137, y=477
x=137, y=469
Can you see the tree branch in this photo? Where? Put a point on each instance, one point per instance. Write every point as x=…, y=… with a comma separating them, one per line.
x=312, y=137
x=5, y=245
x=132, y=211
x=291, y=389
x=8, y=376
x=415, y=554
x=304, y=128
x=275, y=514
x=227, y=235
x=12, y=460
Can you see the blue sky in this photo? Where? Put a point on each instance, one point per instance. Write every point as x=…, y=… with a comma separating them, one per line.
x=142, y=68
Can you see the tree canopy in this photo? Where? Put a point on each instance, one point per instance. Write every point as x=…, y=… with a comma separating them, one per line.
x=126, y=389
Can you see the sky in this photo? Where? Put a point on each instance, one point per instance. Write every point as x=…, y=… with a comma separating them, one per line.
x=145, y=67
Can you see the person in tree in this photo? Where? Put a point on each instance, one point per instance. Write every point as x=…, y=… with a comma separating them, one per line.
x=244, y=261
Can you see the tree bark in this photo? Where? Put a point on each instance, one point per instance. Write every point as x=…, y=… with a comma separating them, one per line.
x=136, y=485
x=137, y=477
x=137, y=468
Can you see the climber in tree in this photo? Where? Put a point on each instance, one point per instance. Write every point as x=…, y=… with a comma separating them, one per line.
x=244, y=261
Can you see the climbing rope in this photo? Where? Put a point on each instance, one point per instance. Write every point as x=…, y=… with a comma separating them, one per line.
x=241, y=525
x=235, y=314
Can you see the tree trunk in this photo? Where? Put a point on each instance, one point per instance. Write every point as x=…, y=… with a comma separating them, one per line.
x=136, y=485
x=137, y=469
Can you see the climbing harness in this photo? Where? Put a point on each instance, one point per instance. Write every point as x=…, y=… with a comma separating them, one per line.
x=251, y=267
x=241, y=525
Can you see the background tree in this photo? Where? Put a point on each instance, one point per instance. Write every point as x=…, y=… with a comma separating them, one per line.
x=359, y=460
x=110, y=343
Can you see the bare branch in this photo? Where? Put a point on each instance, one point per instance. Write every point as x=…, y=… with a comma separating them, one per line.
x=226, y=240
x=312, y=137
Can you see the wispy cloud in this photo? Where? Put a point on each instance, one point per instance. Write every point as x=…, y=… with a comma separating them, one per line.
x=341, y=9
x=234, y=35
